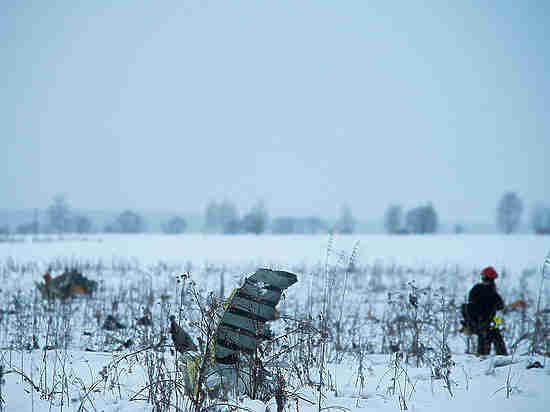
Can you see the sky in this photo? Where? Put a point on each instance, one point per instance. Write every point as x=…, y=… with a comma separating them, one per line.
x=305, y=106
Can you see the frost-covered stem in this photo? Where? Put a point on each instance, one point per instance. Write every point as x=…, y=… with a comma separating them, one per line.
x=539, y=299
x=326, y=291
x=51, y=307
x=534, y=342
x=545, y=265
x=321, y=370
x=445, y=361
x=324, y=322
x=403, y=393
x=509, y=387
x=182, y=279
x=360, y=369
x=467, y=377
x=1, y=384
x=349, y=268
x=222, y=283
x=309, y=297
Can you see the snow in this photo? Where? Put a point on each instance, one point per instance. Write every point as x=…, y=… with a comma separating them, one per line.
x=473, y=388
x=489, y=384
x=515, y=252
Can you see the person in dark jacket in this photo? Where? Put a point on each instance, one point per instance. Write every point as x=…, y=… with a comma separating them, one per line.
x=483, y=303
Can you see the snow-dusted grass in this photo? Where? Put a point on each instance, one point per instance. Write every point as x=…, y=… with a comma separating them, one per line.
x=369, y=313
x=477, y=385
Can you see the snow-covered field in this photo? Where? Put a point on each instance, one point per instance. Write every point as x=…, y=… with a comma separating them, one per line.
x=479, y=385
x=142, y=271
x=469, y=251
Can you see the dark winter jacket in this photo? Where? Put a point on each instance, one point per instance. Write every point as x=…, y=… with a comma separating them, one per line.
x=483, y=303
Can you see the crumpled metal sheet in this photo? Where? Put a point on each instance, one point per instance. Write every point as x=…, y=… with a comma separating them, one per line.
x=243, y=320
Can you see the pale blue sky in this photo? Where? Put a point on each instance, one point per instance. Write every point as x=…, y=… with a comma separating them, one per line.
x=304, y=104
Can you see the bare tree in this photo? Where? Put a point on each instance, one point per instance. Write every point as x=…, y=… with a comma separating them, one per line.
x=312, y=225
x=509, y=210
x=422, y=219
x=221, y=217
x=212, y=217
x=252, y=223
x=127, y=222
x=284, y=225
x=346, y=223
x=300, y=225
x=541, y=219
x=175, y=226
x=82, y=224
x=392, y=219
x=27, y=228
x=255, y=221
x=229, y=218
x=59, y=214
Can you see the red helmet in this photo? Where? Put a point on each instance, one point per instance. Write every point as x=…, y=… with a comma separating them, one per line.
x=489, y=273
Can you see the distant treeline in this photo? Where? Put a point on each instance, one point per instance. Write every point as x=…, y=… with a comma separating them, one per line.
x=224, y=217
x=423, y=219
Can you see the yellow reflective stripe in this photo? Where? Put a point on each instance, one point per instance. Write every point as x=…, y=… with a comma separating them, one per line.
x=192, y=367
